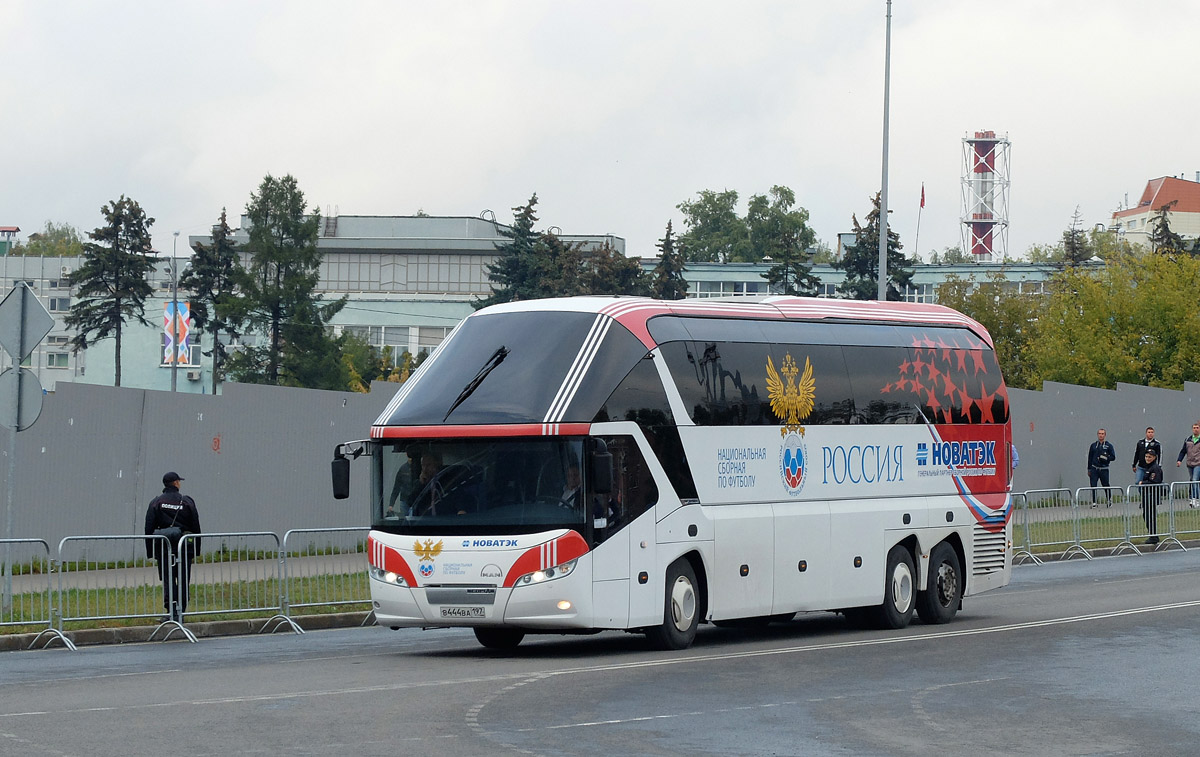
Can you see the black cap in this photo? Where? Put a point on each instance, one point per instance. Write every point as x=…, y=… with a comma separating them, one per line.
x=171, y=477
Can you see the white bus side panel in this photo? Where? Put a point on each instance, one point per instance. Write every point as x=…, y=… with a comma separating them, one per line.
x=802, y=566
x=741, y=581
x=856, y=533
x=610, y=570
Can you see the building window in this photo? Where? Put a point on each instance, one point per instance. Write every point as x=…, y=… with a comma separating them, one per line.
x=704, y=289
x=60, y=304
x=59, y=284
x=58, y=339
x=57, y=360
x=920, y=293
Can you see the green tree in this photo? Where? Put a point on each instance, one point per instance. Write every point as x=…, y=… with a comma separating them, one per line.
x=111, y=283
x=1010, y=317
x=210, y=277
x=1162, y=239
x=668, y=283
x=861, y=261
x=714, y=231
x=791, y=273
x=1076, y=244
x=276, y=296
x=951, y=255
x=518, y=268
x=56, y=240
x=607, y=271
x=1132, y=320
x=776, y=227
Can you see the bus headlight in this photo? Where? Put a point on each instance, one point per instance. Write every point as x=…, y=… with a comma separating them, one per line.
x=548, y=574
x=388, y=577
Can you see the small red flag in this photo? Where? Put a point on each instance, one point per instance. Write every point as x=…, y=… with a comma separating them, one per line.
x=922, y=194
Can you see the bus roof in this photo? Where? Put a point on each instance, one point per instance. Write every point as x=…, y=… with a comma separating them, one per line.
x=635, y=312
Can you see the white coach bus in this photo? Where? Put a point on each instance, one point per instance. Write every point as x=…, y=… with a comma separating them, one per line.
x=571, y=465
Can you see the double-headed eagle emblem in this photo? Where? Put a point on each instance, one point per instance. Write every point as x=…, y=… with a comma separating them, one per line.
x=791, y=402
x=429, y=550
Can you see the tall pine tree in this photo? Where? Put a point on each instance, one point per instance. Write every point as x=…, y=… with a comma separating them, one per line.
x=210, y=277
x=1163, y=239
x=861, y=262
x=111, y=283
x=276, y=295
x=516, y=272
x=669, y=283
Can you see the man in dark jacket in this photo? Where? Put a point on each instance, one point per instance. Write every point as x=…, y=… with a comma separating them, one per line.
x=172, y=509
x=1149, y=444
x=1100, y=454
x=1151, y=489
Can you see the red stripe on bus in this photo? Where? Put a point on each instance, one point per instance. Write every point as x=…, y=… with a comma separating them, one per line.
x=457, y=432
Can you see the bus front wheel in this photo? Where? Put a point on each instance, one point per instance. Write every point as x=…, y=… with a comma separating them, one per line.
x=681, y=610
x=939, y=602
x=898, y=590
x=499, y=638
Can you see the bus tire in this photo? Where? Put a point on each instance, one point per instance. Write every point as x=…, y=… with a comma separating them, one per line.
x=499, y=638
x=899, y=596
x=681, y=610
x=940, y=601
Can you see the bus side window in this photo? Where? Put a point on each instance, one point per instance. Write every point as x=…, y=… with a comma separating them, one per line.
x=634, y=491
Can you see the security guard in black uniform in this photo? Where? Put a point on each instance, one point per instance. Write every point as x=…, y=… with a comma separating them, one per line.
x=173, y=509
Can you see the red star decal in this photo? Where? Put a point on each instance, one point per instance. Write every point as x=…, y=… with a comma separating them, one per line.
x=962, y=360
x=977, y=356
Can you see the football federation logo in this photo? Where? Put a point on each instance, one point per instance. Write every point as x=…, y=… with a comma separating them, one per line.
x=792, y=462
x=426, y=552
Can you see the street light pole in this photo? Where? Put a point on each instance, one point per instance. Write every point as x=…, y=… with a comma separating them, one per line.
x=883, y=198
x=174, y=315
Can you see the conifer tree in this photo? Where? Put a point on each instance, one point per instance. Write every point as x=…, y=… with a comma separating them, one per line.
x=210, y=276
x=669, y=283
x=111, y=283
x=861, y=262
x=276, y=296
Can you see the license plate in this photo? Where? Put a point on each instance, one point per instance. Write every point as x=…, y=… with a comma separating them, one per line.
x=462, y=612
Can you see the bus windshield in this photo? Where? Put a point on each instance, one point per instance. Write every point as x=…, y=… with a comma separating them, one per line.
x=478, y=485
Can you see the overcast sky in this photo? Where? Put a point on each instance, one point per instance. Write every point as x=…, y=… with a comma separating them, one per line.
x=612, y=112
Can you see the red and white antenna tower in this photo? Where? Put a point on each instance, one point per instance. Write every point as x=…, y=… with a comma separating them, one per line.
x=985, y=184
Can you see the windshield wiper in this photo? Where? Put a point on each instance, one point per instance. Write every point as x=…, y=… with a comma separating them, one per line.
x=496, y=359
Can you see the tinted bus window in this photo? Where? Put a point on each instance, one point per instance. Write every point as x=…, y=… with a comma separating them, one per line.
x=726, y=383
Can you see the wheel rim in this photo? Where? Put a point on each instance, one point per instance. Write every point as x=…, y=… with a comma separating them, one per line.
x=947, y=584
x=683, y=603
x=902, y=588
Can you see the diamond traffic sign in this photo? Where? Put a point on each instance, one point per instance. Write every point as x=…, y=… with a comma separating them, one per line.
x=24, y=322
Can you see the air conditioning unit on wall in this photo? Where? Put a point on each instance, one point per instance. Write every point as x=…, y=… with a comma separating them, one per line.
x=193, y=375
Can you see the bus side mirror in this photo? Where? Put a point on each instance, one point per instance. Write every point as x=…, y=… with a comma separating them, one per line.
x=340, y=468
x=602, y=469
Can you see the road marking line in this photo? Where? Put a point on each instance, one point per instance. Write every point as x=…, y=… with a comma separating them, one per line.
x=408, y=685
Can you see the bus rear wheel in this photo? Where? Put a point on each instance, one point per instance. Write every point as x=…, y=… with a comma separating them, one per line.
x=499, y=638
x=898, y=590
x=939, y=602
x=681, y=609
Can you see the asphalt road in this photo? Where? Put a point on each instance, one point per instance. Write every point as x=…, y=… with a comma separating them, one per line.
x=1096, y=658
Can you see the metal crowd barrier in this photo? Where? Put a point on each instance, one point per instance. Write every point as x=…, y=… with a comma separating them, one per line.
x=94, y=585
x=325, y=567
x=27, y=589
x=1021, y=536
x=234, y=573
x=1185, y=508
x=1050, y=520
x=1102, y=515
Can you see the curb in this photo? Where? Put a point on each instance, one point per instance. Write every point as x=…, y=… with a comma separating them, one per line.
x=139, y=634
